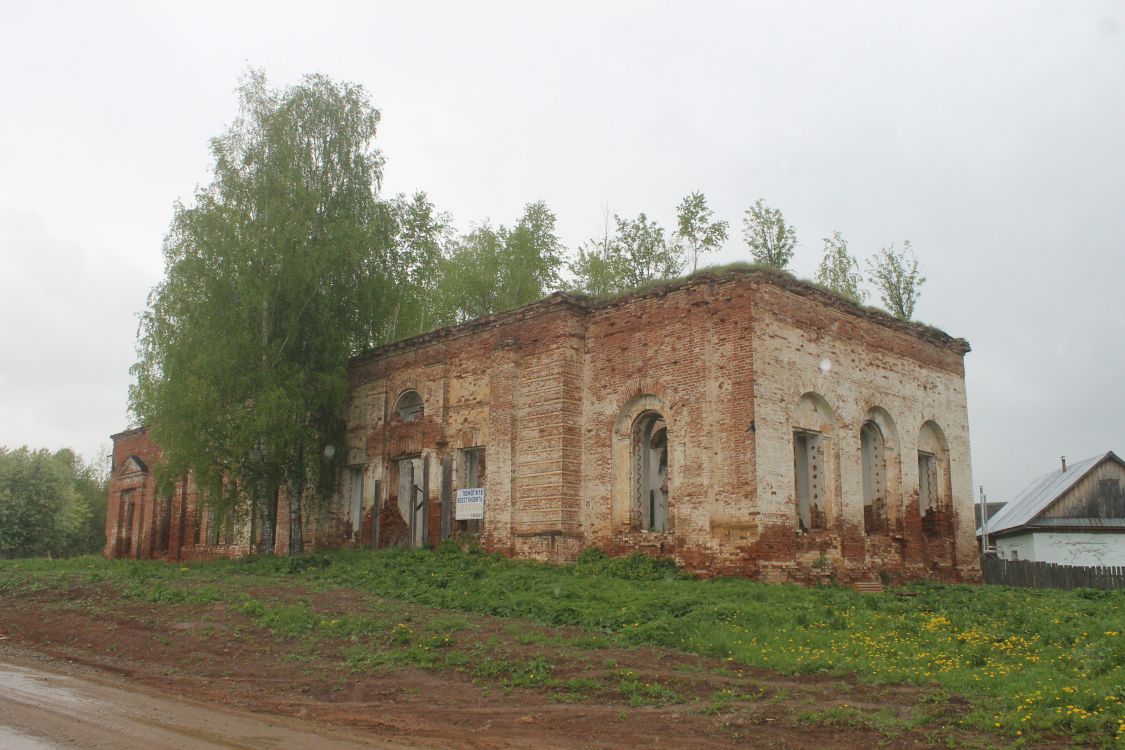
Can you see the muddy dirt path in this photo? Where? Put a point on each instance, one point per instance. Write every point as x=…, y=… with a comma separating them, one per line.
x=42, y=709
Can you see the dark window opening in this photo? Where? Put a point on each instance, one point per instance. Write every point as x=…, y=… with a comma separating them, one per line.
x=650, y=472
x=929, y=504
x=411, y=502
x=409, y=407
x=874, y=479
x=355, y=492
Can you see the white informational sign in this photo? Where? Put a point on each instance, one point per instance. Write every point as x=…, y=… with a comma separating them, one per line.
x=470, y=504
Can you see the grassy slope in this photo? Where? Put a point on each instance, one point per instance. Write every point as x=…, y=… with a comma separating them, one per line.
x=1034, y=661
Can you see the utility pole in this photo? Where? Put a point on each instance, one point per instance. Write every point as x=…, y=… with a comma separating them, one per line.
x=983, y=522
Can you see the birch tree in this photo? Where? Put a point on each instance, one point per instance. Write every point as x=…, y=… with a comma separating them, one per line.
x=895, y=274
x=275, y=274
x=770, y=239
x=839, y=271
x=695, y=231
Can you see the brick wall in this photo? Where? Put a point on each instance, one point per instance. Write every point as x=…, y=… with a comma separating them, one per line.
x=732, y=364
x=552, y=392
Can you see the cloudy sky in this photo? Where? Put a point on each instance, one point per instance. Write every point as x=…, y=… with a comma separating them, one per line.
x=989, y=134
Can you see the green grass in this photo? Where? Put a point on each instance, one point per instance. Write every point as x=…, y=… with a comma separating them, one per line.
x=1038, y=662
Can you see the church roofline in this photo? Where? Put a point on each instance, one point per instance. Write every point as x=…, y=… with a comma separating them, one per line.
x=129, y=432
x=754, y=274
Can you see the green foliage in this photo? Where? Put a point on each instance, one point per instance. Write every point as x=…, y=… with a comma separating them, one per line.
x=636, y=254
x=839, y=271
x=1035, y=661
x=422, y=236
x=895, y=274
x=696, y=233
x=492, y=269
x=770, y=239
x=50, y=504
x=274, y=276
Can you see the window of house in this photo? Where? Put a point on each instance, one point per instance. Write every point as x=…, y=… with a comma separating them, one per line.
x=808, y=471
x=411, y=501
x=409, y=407
x=927, y=483
x=650, y=471
x=874, y=478
x=1015, y=555
x=934, y=485
x=355, y=495
x=125, y=523
x=472, y=471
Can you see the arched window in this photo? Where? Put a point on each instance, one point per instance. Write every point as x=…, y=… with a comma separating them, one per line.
x=873, y=456
x=933, y=479
x=812, y=431
x=650, y=471
x=409, y=406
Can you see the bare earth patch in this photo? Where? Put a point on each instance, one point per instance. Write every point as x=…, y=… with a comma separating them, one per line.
x=429, y=677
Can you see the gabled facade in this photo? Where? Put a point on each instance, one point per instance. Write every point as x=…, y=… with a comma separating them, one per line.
x=1072, y=516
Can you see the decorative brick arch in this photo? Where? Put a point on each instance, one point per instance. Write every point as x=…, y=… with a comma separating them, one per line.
x=881, y=471
x=408, y=406
x=644, y=416
x=935, y=486
x=815, y=464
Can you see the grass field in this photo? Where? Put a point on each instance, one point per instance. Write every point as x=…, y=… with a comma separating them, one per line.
x=1032, y=663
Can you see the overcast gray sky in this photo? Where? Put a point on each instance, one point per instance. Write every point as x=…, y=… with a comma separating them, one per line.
x=990, y=135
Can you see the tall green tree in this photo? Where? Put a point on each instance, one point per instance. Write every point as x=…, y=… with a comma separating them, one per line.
x=420, y=240
x=492, y=269
x=645, y=255
x=770, y=239
x=895, y=274
x=274, y=276
x=531, y=259
x=839, y=271
x=50, y=504
x=636, y=253
x=696, y=233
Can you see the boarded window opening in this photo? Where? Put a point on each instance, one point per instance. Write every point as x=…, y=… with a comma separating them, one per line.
x=808, y=470
x=928, y=498
x=355, y=490
x=409, y=407
x=411, y=502
x=650, y=471
x=472, y=469
x=874, y=479
x=125, y=510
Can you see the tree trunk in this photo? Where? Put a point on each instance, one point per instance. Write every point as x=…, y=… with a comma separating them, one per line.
x=296, y=493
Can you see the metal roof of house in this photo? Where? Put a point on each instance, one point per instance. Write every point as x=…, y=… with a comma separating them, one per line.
x=1038, y=496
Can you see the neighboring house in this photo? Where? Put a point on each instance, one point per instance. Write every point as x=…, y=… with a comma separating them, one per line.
x=742, y=423
x=1072, y=516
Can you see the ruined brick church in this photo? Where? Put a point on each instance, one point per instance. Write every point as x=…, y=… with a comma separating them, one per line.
x=741, y=423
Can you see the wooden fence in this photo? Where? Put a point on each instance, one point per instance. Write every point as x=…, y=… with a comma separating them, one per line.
x=1043, y=575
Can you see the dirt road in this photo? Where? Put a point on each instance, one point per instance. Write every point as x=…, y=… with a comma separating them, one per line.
x=41, y=709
